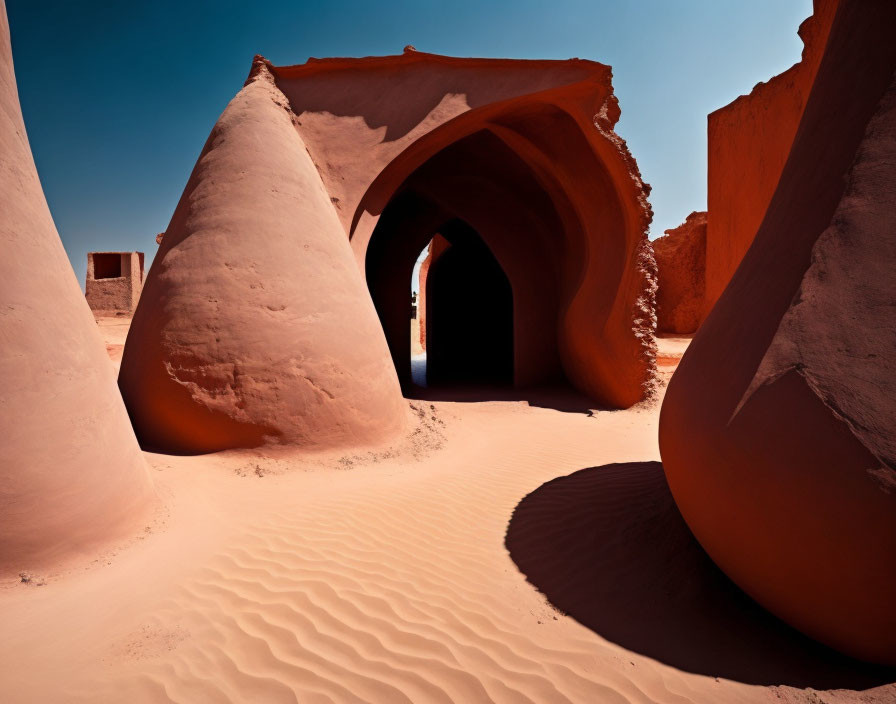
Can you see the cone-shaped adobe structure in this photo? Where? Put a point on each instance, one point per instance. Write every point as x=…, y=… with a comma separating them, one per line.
x=777, y=432
x=254, y=325
x=71, y=473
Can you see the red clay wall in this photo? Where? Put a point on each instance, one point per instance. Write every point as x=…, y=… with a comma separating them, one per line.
x=681, y=281
x=749, y=140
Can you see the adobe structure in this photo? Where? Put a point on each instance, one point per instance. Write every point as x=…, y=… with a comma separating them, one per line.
x=114, y=280
x=276, y=307
x=776, y=431
x=681, y=276
x=71, y=473
x=748, y=143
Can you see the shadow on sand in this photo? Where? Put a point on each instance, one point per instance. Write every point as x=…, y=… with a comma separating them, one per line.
x=558, y=398
x=607, y=546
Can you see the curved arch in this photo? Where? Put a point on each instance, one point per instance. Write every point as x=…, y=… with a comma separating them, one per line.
x=576, y=258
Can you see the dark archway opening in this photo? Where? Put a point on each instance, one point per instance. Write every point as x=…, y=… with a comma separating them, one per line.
x=501, y=287
x=469, y=314
x=562, y=209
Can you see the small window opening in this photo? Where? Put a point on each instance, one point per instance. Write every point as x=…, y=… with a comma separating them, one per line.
x=106, y=266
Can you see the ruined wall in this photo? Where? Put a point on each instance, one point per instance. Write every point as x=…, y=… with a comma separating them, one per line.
x=401, y=99
x=748, y=143
x=114, y=293
x=553, y=121
x=681, y=276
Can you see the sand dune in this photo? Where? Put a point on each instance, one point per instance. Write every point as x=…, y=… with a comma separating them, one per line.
x=114, y=330
x=384, y=577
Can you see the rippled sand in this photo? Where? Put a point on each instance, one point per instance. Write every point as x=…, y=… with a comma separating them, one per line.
x=400, y=575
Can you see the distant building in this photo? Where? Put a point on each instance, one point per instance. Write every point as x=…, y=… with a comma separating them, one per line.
x=114, y=280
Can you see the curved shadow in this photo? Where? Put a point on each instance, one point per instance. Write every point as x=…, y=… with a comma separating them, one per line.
x=607, y=546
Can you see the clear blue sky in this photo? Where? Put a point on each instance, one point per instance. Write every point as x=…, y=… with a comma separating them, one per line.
x=119, y=96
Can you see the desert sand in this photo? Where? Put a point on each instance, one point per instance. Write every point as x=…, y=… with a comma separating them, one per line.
x=114, y=329
x=318, y=527
x=400, y=574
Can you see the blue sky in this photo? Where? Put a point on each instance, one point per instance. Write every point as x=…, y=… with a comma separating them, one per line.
x=119, y=97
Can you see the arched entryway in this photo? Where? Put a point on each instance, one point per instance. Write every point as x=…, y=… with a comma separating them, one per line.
x=482, y=198
x=533, y=187
x=469, y=314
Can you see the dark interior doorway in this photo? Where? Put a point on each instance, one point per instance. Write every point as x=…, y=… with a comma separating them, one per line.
x=469, y=314
x=106, y=265
x=467, y=301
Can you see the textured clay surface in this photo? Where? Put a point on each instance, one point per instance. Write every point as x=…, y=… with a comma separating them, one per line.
x=523, y=152
x=681, y=276
x=777, y=429
x=254, y=325
x=748, y=144
x=71, y=473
